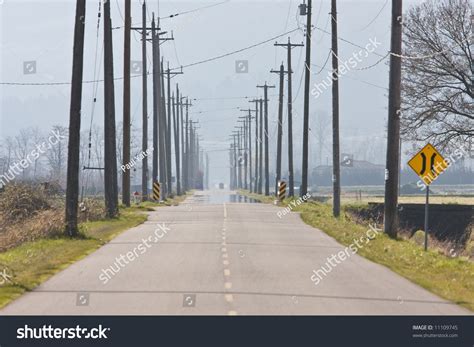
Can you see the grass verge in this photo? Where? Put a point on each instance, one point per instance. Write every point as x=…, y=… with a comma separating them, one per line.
x=448, y=277
x=25, y=267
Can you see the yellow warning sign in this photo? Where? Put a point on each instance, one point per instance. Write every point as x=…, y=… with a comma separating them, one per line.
x=428, y=164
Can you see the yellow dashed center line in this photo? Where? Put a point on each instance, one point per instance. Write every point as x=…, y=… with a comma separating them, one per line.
x=229, y=297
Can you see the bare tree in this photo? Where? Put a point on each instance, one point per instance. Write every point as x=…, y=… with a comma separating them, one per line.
x=57, y=155
x=23, y=146
x=37, y=137
x=437, y=77
x=322, y=135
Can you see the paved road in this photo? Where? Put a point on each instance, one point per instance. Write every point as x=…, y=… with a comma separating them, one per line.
x=218, y=257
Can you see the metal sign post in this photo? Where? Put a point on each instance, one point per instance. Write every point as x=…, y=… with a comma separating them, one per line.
x=427, y=205
x=428, y=164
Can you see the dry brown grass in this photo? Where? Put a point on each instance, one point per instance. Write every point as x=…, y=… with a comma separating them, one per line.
x=27, y=214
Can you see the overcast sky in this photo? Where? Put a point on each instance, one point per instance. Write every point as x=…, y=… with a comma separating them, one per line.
x=42, y=31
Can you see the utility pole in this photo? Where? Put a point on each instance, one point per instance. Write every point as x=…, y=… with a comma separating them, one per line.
x=126, y=105
x=260, y=156
x=289, y=46
x=169, y=75
x=158, y=108
x=193, y=154
x=281, y=72
x=239, y=154
x=183, y=148
x=144, y=33
x=207, y=171
x=187, y=147
x=233, y=176
x=110, y=155
x=336, y=163
x=249, y=141
x=304, y=171
x=72, y=190
x=190, y=155
x=156, y=75
x=255, y=187
x=231, y=169
x=176, y=140
x=244, y=145
x=393, y=136
x=267, y=164
x=163, y=137
x=145, y=108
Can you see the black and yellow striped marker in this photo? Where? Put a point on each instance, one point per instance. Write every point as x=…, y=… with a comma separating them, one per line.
x=156, y=191
x=281, y=190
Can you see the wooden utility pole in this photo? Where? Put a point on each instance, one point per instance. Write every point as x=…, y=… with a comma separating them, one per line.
x=249, y=144
x=176, y=141
x=267, y=160
x=187, y=147
x=244, y=148
x=155, y=43
x=255, y=176
x=162, y=137
x=336, y=163
x=250, y=148
x=260, y=155
x=168, y=76
x=281, y=72
x=144, y=32
x=393, y=136
x=183, y=148
x=304, y=171
x=291, y=184
x=193, y=154
x=110, y=155
x=233, y=176
x=72, y=190
x=231, y=168
x=159, y=111
x=126, y=106
x=144, y=107
x=239, y=154
x=207, y=171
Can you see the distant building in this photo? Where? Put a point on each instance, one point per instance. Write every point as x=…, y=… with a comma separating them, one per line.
x=361, y=173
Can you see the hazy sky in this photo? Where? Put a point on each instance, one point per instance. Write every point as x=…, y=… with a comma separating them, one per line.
x=42, y=31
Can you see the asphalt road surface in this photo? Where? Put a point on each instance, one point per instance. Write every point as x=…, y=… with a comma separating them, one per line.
x=220, y=254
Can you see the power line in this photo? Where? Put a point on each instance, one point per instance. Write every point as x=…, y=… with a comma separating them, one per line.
x=324, y=65
x=353, y=78
x=194, y=10
x=150, y=73
x=175, y=14
x=224, y=98
x=215, y=110
x=375, y=18
x=346, y=41
x=237, y=51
